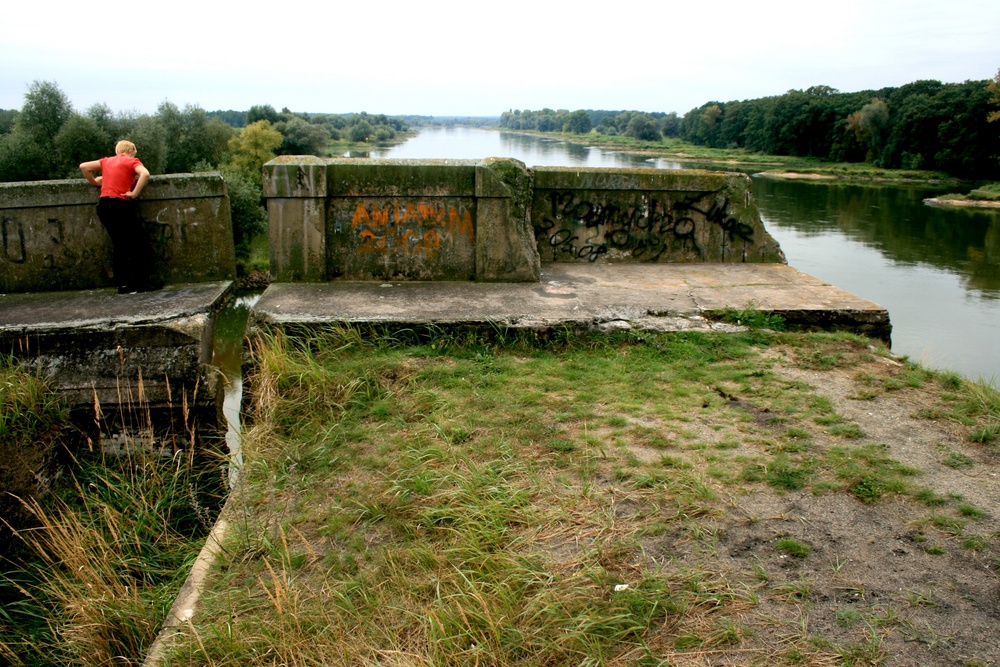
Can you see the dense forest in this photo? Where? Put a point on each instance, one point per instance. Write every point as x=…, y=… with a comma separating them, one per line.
x=922, y=125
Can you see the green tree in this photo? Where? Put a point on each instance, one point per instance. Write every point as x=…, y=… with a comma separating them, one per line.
x=119, y=125
x=150, y=139
x=80, y=139
x=263, y=112
x=670, y=125
x=578, y=122
x=249, y=217
x=254, y=145
x=302, y=138
x=607, y=126
x=7, y=119
x=361, y=131
x=192, y=137
x=22, y=158
x=45, y=109
x=993, y=87
x=869, y=126
x=29, y=151
x=643, y=126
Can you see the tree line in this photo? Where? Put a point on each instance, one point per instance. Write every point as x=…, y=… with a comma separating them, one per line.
x=922, y=125
x=48, y=139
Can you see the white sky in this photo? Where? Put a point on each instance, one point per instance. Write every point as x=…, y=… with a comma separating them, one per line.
x=463, y=57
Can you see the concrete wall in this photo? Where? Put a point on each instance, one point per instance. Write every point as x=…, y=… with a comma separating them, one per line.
x=647, y=215
x=495, y=220
x=51, y=239
x=361, y=219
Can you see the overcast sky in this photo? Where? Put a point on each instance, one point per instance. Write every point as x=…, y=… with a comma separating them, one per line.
x=451, y=57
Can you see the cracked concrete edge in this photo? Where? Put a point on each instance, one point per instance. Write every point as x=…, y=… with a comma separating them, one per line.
x=186, y=603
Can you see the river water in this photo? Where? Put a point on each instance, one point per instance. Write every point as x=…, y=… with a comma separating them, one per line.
x=937, y=270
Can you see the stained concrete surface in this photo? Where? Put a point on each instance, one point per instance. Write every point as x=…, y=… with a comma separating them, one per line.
x=96, y=344
x=656, y=296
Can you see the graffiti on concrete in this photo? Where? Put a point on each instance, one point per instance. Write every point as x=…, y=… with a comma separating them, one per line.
x=48, y=246
x=12, y=232
x=409, y=228
x=585, y=225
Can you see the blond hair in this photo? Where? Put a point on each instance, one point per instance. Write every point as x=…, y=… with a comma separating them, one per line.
x=124, y=146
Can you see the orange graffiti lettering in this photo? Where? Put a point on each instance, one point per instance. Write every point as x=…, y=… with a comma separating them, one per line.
x=409, y=213
x=460, y=224
x=360, y=216
x=380, y=217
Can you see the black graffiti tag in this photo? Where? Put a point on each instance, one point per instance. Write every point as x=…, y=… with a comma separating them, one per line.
x=13, y=251
x=645, y=228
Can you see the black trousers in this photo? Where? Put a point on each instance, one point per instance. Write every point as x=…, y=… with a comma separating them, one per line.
x=132, y=256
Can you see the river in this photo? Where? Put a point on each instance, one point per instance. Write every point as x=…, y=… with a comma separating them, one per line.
x=937, y=270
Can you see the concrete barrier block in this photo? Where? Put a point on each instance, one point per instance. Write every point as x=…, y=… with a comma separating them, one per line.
x=402, y=238
x=506, y=250
x=51, y=239
x=297, y=239
x=401, y=219
x=647, y=215
x=356, y=177
x=295, y=176
x=127, y=354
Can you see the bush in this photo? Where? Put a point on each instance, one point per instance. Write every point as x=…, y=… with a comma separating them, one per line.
x=989, y=192
x=249, y=217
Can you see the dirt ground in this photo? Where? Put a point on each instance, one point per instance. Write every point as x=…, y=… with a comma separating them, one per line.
x=906, y=582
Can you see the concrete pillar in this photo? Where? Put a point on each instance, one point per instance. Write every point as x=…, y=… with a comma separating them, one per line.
x=295, y=187
x=505, y=248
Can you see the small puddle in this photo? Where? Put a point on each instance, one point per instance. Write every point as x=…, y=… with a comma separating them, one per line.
x=227, y=355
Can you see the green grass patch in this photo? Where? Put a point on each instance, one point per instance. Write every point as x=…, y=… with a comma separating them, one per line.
x=792, y=547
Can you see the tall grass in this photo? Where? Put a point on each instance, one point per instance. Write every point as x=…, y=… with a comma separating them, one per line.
x=101, y=558
x=981, y=401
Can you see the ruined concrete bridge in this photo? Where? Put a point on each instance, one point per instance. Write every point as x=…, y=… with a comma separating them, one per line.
x=396, y=242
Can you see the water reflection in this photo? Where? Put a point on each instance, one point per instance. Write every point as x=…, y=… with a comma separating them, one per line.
x=461, y=143
x=227, y=356
x=896, y=222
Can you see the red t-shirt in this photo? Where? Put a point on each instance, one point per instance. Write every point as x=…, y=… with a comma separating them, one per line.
x=118, y=175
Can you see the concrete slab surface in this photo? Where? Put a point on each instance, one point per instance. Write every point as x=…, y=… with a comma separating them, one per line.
x=654, y=296
x=95, y=344
x=36, y=312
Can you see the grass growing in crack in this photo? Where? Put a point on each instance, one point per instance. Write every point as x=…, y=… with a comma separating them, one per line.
x=751, y=316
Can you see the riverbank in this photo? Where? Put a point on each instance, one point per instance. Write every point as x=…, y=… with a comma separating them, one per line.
x=967, y=203
x=348, y=148
x=985, y=196
x=774, y=166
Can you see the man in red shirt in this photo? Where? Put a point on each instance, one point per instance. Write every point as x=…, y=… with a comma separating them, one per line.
x=122, y=179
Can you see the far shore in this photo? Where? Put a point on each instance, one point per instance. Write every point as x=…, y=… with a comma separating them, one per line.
x=773, y=166
x=965, y=203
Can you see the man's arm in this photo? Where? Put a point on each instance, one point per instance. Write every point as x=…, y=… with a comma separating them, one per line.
x=140, y=183
x=88, y=169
